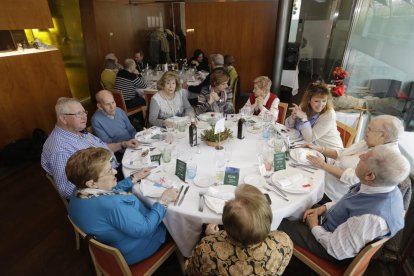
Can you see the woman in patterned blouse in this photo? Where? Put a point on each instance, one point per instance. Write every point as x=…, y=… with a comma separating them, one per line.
x=246, y=246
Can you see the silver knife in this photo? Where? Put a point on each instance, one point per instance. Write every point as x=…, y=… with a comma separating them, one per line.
x=185, y=192
x=279, y=190
x=179, y=193
x=201, y=202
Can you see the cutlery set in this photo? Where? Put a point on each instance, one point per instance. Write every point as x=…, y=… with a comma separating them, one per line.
x=179, y=193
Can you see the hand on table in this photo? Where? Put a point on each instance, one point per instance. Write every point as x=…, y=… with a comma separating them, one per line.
x=169, y=196
x=212, y=229
x=142, y=173
x=133, y=143
x=316, y=161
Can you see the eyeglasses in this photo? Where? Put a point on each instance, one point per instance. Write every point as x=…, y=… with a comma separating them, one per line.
x=110, y=172
x=78, y=114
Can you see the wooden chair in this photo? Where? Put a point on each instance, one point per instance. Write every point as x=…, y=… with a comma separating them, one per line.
x=109, y=261
x=347, y=133
x=120, y=102
x=324, y=267
x=281, y=117
x=66, y=204
x=148, y=96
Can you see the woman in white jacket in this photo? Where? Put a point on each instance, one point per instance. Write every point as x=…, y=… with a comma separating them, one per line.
x=315, y=118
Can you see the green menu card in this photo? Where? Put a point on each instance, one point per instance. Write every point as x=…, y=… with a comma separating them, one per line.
x=279, y=161
x=231, y=176
x=180, y=169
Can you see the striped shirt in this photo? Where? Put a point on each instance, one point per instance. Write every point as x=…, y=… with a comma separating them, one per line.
x=224, y=105
x=59, y=146
x=129, y=83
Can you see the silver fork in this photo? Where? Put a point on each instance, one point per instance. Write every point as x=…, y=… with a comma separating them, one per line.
x=302, y=168
x=275, y=192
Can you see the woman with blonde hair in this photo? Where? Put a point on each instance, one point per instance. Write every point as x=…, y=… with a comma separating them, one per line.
x=169, y=101
x=262, y=101
x=315, y=117
x=246, y=246
x=108, y=210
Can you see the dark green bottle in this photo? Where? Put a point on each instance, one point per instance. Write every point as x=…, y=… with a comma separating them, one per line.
x=193, y=133
x=241, y=128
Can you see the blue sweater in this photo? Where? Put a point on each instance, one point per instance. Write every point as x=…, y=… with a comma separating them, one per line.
x=121, y=221
x=388, y=206
x=112, y=130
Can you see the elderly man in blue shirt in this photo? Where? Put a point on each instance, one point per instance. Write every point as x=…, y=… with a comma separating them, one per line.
x=68, y=137
x=371, y=210
x=110, y=123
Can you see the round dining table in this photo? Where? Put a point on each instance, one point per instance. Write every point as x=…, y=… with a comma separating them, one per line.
x=184, y=221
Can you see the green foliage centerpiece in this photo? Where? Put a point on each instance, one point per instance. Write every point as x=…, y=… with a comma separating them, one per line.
x=216, y=140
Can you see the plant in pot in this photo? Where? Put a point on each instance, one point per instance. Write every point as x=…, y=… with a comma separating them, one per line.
x=216, y=140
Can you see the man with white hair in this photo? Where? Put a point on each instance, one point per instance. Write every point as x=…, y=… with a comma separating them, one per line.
x=371, y=210
x=131, y=84
x=112, y=56
x=383, y=130
x=110, y=123
x=68, y=137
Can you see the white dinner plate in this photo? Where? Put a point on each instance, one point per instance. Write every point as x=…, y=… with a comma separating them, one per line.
x=208, y=116
x=292, y=133
x=149, y=136
x=213, y=200
x=299, y=155
x=203, y=181
x=255, y=180
x=300, y=186
x=256, y=128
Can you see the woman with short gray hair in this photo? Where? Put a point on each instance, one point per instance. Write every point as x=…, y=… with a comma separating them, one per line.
x=383, y=130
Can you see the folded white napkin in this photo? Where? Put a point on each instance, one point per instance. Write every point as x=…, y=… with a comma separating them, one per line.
x=215, y=204
x=216, y=193
x=151, y=189
x=287, y=181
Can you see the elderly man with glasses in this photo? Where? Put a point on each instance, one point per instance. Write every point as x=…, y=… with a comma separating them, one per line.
x=383, y=130
x=68, y=137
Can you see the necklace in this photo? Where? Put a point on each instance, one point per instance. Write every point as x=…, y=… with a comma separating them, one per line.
x=170, y=102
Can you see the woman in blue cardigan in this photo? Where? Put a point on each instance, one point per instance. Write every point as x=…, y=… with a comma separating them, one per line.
x=103, y=208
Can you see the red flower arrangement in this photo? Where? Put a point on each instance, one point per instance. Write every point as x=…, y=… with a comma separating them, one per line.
x=338, y=74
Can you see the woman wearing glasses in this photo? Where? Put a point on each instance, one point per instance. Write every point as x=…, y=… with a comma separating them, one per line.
x=382, y=131
x=103, y=208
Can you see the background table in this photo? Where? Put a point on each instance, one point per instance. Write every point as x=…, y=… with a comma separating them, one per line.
x=184, y=222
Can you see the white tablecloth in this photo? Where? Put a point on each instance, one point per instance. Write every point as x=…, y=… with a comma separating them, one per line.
x=406, y=144
x=184, y=222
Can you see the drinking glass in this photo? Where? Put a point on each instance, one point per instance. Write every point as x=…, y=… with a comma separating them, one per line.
x=267, y=159
x=166, y=154
x=191, y=170
x=220, y=162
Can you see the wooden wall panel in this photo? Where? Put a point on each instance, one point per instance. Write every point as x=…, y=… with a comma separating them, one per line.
x=246, y=30
x=29, y=88
x=127, y=23
x=24, y=14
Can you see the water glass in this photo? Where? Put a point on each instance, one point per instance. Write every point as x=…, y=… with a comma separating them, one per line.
x=267, y=159
x=278, y=144
x=166, y=154
x=191, y=170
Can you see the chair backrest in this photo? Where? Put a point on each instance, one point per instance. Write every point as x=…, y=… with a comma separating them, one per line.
x=119, y=99
x=347, y=133
x=77, y=229
x=281, y=117
x=108, y=259
x=323, y=267
x=148, y=96
x=361, y=261
x=52, y=181
x=236, y=89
